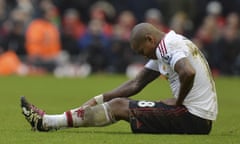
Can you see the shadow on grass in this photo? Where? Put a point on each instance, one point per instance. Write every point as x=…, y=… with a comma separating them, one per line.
x=96, y=132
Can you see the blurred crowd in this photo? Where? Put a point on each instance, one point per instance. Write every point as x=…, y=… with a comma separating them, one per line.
x=81, y=37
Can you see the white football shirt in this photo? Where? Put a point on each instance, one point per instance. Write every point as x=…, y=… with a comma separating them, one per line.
x=202, y=98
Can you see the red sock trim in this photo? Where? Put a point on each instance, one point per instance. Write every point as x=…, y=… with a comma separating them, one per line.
x=69, y=119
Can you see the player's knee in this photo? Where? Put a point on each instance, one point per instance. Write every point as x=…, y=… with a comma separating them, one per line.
x=99, y=115
x=119, y=108
x=119, y=103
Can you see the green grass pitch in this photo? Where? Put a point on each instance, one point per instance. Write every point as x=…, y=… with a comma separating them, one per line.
x=58, y=95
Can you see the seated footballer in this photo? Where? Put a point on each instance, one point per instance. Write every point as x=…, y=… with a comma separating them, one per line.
x=191, y=110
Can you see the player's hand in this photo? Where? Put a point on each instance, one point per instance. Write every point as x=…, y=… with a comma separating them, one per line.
x=170, y=101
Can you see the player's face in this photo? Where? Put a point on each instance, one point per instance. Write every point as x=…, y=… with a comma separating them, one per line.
x=147, y=48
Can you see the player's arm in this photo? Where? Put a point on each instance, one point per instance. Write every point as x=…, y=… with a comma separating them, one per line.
x=186, y=74
x=128, y=88
x=133, y=86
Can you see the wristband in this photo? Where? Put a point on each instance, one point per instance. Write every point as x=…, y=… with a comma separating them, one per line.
x=99, y=99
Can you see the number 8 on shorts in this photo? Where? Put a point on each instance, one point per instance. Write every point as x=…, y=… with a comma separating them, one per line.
x=146, y=104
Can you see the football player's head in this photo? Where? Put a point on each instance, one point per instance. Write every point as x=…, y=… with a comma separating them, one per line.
x=144, y=39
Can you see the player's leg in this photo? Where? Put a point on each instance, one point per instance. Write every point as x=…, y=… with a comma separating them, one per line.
x=99, y=115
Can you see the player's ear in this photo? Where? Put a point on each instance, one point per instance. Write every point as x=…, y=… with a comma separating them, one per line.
x=148, y=37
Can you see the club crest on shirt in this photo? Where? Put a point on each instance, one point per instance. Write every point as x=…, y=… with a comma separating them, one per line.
x=166, y=58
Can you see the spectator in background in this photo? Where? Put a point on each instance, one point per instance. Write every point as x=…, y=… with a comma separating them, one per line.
x=4, y=24
x=3, y=11
x=15, y=40
x=120, y=53
x=96, y=41
x=154, y=16
x=43, y=44
x=51, y=12
x=11, y=64
x=95, y=44
x=103, y=11
x=125, y=22
x=172, y=7
x=181, y=24
x=73, y=29
x=205, y=37
x=72, y=23
x=18, y=21
x=214, y=9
